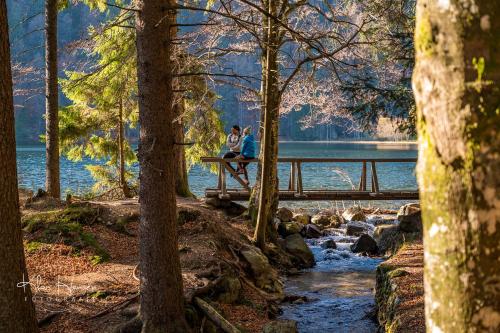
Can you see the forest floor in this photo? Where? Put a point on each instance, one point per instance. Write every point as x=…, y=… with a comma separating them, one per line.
x=82, y=263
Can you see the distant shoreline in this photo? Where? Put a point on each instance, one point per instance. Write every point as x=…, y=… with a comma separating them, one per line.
x=355, y=142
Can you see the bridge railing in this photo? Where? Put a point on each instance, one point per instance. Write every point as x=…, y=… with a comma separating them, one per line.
x=295, y=182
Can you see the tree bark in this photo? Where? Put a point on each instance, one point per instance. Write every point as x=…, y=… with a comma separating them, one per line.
x=121, y=139
x=52, y=177
x=17, y=313
x=456, y=83
x=269, y=153
x=162, y=302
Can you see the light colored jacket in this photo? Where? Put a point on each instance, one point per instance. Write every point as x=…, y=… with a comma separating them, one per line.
x=234, y=142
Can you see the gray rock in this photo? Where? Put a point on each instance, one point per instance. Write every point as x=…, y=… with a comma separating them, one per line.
x=336, y=221
x=354, y=213
x=321, y=220
x=302, y=218
x=410, y=218
x=365, y=244
x=387, y=237
x=265, y=276
x=329, y=244
x=280, y=326
x=311, y=231
x=229, y=290
x=284, y=214
x=356, y=228
x=296, y=246
x=292, y=228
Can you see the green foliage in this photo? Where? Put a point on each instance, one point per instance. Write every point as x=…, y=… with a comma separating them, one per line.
x=102, y=99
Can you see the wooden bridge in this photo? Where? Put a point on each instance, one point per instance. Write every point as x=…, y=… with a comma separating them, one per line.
x=296, y=189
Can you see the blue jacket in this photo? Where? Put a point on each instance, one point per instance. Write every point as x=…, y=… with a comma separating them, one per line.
x=248, y=147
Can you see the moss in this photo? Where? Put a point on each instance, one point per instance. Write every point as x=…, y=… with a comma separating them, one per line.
x=33, y=246
x=397, y=273
x=424, y=41
x=65, y=226
x=99, y=294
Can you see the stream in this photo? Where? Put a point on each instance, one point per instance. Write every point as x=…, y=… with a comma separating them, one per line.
x=339, y=290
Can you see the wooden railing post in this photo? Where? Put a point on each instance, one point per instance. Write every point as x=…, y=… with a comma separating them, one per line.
x=375, y=188
x=291, y=180
x=362, y=180
x=300, y=190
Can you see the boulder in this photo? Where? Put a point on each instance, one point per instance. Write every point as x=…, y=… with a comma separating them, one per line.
x=410, y=218
x=365, y=244
x=336, y=221
x=311, y=231
x=296, y=246
x=293, y=228
x=321, y=220
x=265, y=276
x=383, y=228
x=302, y=218
x=354, y=213
x=388, y=238
x=284, y=214
x=329, y=244
x=280, y=326
x=356, y=228
x=229, y=290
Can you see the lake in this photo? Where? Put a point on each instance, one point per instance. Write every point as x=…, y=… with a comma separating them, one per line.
x=76, y=179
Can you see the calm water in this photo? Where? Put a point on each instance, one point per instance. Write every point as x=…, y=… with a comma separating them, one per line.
x=76, y=179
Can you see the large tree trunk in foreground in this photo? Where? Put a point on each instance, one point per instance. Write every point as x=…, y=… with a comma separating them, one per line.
x=456, y=83
x=52, y=177
x=17, y=313
x=269, y=153
x=162, y=302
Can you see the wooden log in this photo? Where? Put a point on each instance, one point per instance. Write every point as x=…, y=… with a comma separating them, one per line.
x=214, y=316
x=362, y=181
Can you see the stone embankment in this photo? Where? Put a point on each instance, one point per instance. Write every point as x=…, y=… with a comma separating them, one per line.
x=399, y=289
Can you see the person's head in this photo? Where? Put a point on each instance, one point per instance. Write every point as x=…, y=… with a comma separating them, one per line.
x=247, y=130
x=235, y=130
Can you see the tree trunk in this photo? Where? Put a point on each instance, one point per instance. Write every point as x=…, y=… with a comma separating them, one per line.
x=121, y=139
x=52, y=177
x=456, y=82
x=162, y=302
x=269, y=147
x=17, y=313
x=181, y=180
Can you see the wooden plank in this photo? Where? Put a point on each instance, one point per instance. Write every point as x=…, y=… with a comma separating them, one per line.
x=375, y=187
x=362, y=181
x=235, y=175
x=291, y=180
x=314, y=160
x=300, y=189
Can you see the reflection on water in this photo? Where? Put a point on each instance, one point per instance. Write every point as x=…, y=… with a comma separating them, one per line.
x=76, y=178
x=339, y=289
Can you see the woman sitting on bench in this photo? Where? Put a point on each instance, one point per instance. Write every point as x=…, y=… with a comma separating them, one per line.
x=247, y=152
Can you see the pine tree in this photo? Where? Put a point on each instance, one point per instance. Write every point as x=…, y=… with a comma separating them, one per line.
x=162, y=301
x=17, y=313
x=52, y=172
x=103, y=103
x=457, y=89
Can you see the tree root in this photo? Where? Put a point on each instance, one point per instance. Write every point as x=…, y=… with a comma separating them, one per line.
x=214, y=316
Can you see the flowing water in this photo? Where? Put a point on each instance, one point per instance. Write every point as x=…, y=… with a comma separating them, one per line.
x=339, y=290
